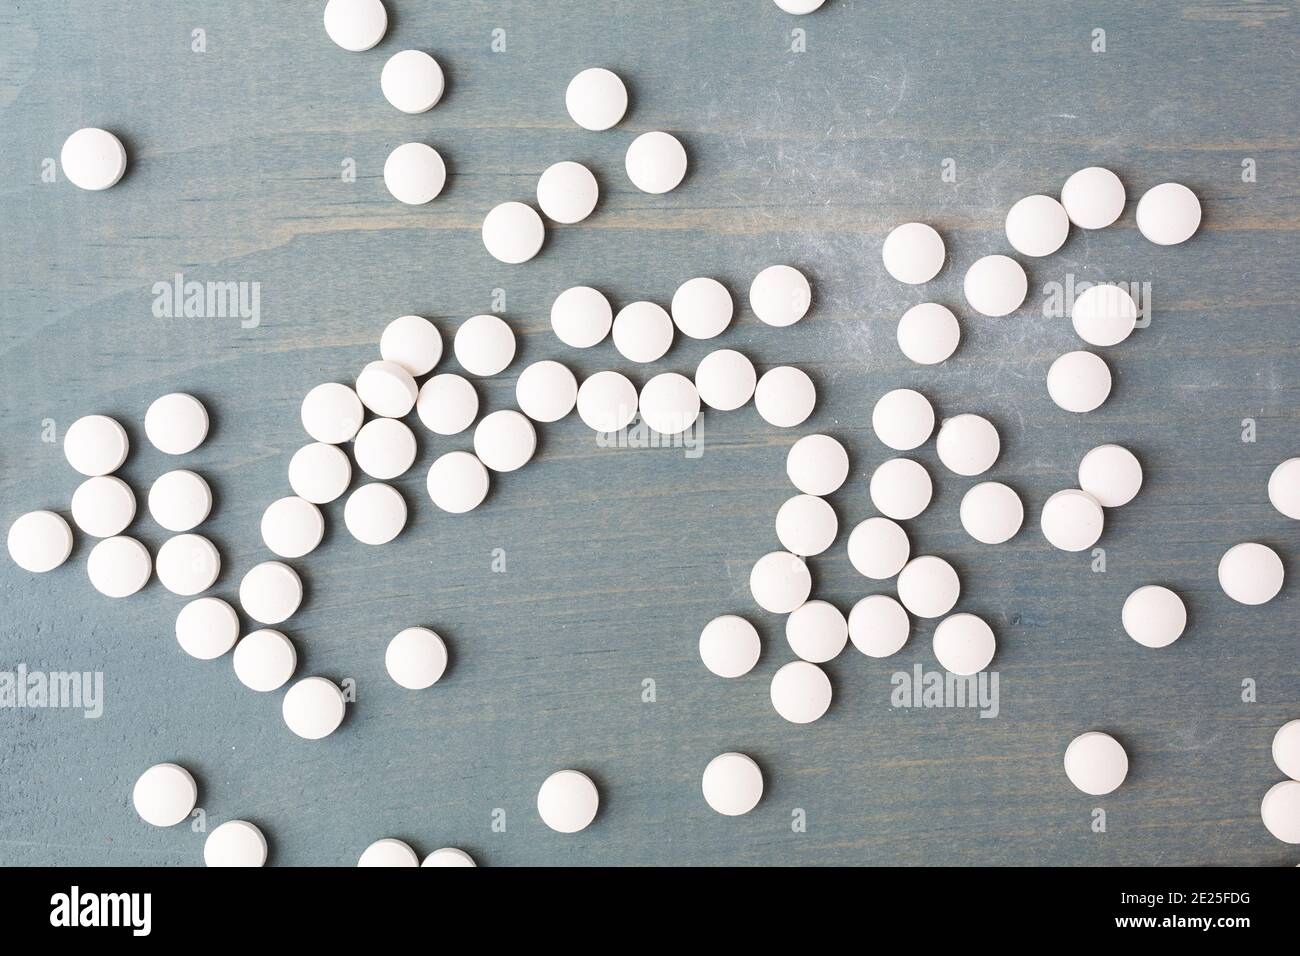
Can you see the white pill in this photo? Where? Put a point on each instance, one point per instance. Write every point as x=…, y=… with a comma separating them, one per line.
x=1037, y=226
x=188, y=564
x=93, y=159
x=319, y=473
x=292, y=527
x=1111, y=474
x=1286, y=749
x=384, y=449
x=332, y=413
x=457, y=482
x=879, y=626
x=799, y=7
x=264, y=660
x=581, y=317
x=447, y=404
x=964, y=644
x=669, y=403
x=928, y=333
x=484, y=345
x=413, y=342
x=387, y=389
x=176, y=424
x=567, y=801
x=1096, y=763
x=235, y=843
x=165, y=794
x=656, y=162
x=206, y=628
x=1283, y=488
x=732, y=784
x=1154, y=616
x=118, y=567
x=356, y=25
x=801, y=692
x=546, y=391
x=901, y=488
x=607, y=401
x=95, y=445
x=1104, y=314
x=567, y=192
x=996, y=286
x=702, y=308
x=903, y=419
x=1280, y=811
x=913, y=253
x=313, y=708
x=103, y=506
x=730, y=646
x=1251, y=573
x=725, y=380
x=878, y=548
x=40, y=541
x=388, y=853
x=1079, y=381
x=785, y=396
x=806, y=525
x=817, y=465
x=991, y=512
x=780, y=582
x=270, y=592
x=817, y=631
x=416, y=658
x=780, y=296
x=968, y=444
x=449, y=856
x=513, y=232
x=596, y=99
x=643, y=332
x=1072, y=520
x=1168, y=214
x=505, y=440
x=415, y=173
x=1093, y=198
x=928, y=586
x=412, y=81
x=180, y=500
x=374, y=514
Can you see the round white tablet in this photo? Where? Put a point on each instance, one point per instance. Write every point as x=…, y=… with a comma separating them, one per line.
x=165, y=794
x=1280, y=811
x=928, y=333
x=567, y=801
x=412, y=342
x=913, y=253
x=457, y=482
x=732, y=784
x=313, y=708
x=964, y=644
x=235, y=843
x=206, y=628
x=1079, y=381
x=1093, y=198
x=103, y=506
x=484, y=345
x=412, y=81
x=374, y=514
x=1154, y=616
x=119, y=566
x=387, y=389
x=596, y=99
x=817, y=631
x=292, y=526
x=388, y=853
x=991, y=512
x=264, y=660
x=447, y=404
x=1168, y=214
x=93, y=159
x=1251, y=573
x=1283, y=488
x=901, y=488
x=1096, y=763
x=607, y=401
x=415, y=173
x=332, y=413
x=95, y=445
x=567, y=192
x=188, y=564
x=505, y=440
x=643, y=332
x=669, y=403
x=416, y=658
x=1111, y=474
x=180, y=500
x=702, y=308
x=1072, y=520
x=780, y=582
x=356, y=25
x=801, y=692
x=384, y=449
x=176, y=424
x=449, y=856
x=928, y=586
x=780, y=296
x=903, y=419
x=40, y=541
x=546, y=391
x=730, y=646
x=1104, y=314
x=1286, y=749
x=996, y=286
x=270, y=592
x=725, y=379
x=785, y=396
x=806, y=525
x=879, y=626
x=1037, y=226
x=799, y=7
x=878, y=548
x=656, y=162
x=817, y=465
x=581, y=317
x=513, y=232
x=968, y=444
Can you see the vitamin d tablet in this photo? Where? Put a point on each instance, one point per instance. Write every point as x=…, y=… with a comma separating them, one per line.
x=596, y=99
x=412, y=81
x=780, y=582
x=607, y=401
x=447, y=404
x=1072, y=520
x=643, y=332
x=93, y=159
x=817, y=465
x=725, y=380
x=1104, y=314
x=992, y=513
x=1111, y=474
x=656, y=162
x=1093, y=198
x=206, y=628
x=331, y=413
x=356, y=25
x=384, y=449
x=449, y=856
x=903, y=419
x=801, y=692
x=1037, y=226
x=1283, y=488
x=387, y=389
x=235, y=843
x=878, y=626
x=188, y=564
x=416, y=658
x=388, y=852
x=817, y=631
x=806, y=525
x=513, y=232
x=567, y=192
x=968, y=444
x=374, y=514
x=457, y=482
x=505, y=440
x=176, y=424
x=799, y=7
x=165, y=794
x=119, y=566
x=40, y=541
x=292, y=526
x=103, y=506
x=95, y=445
x=901, y=488
x=412, y=342
x=270, y=592
x=484, y=345
x=1096, y=763
x=1079, y=381
x=1154, y=616
x=1250, y=573
x=913, y=253
x=180, y=500
x=928, y=333
x=581, y=317
x=780, y=296
x=928, y=586
x=265, y=660
x=878, y=548
x=415, y=173
x=785, y=396
x=1168, y=214
x=1286, y=749
x=964, y=644
x=996, y=286
x=732, y=784
x=729, y=646
x=702, y=308
x=319, y=473
x=567, y=801
x=313, y=708
x=669, y=403
x=546, y=391
x=1280, y=811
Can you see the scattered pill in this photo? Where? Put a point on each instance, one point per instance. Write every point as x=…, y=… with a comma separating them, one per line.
x=656, y=162
x=356, y=25
x=384, y=449
x=313, y=708
x=968, y=444
x=1079, y=381
x=412, y=342
x=702, y=308
x=596, y=99
x=928, y=333
x=879, y=626
x=374, y=514
x=1168, y=214
x=103, y=506
x=188, y=564
x=1280, y=811
x=799, y=7
x=1093, y=198
x=119, y=566
x=607, y=401
x=93, y=159
x=447, y=403
x=732, y=784
x=730, y=646
x=817, y=631
x=801, y=692
x=292, y=526
x=415, y=173
x=669, y=403
x=416, y=658
x=817, y=464
x=567, y=192
x=1154, y=616
x=903, y=419
x=95, y=445
x=780, y=296
x=387, y=389
x=270, y=592
x=513, y=232
x=546, y=391
x=928, y=586
x=806, y=525
x=1286, y=749
x=165, y=794
x=725, y=380
x=996, y=286
x=567, y=801
x=1096, y=763
x=581, y=317
x=785, y=396
x=176, y=424
x=992, y=513
x=1284, y=488
x=40, y=541
x=1072, y=520
x=331, y=413
x=1111, y=474
x=643, y=332
x=265, y=660
x=388, y=853
x=1037, y=226
x=235, y=843
x=964, y=644
x=1251, y=573
x=878, y=548
x=206, y=628
x=457, y=482
x=484, y=345
x=449, y=856
x=913, y=253
x=780, y=582
x=1104, y=314
x=901, y=488
x=505, y=440
x=412, y=81
x=180, y=500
